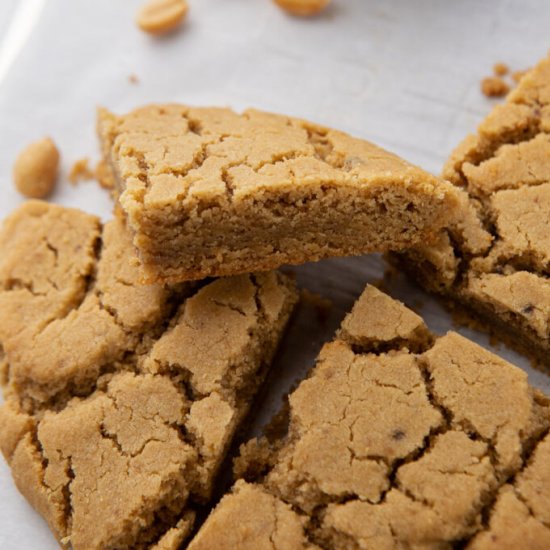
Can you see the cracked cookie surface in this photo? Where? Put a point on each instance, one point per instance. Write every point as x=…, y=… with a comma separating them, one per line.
x=388, y=448
x=122, y=399
x=495, y=261
x=209, y=192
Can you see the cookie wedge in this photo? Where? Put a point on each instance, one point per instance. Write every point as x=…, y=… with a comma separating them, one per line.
x=208, y=192
x=496, y=260
x=397, y=439
x=121, y=399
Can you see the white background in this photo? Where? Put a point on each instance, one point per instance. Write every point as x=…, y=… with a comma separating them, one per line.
x=404, y=74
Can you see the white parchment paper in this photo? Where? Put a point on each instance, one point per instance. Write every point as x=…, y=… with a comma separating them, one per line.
x=402, y=73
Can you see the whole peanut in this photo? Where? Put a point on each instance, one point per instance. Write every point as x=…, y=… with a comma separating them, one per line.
x=161, y=16
x=35, y=169
x=303, y=8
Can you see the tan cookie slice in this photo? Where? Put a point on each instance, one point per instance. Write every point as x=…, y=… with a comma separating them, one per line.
x=122, y=399
x=388, y=448
x=520, y=517
x=495, y=260
x=209, y=192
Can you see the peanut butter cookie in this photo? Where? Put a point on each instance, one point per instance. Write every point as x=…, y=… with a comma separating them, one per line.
x=397, y=439
x=495, y=260
x=209, y=192
x=121, y=399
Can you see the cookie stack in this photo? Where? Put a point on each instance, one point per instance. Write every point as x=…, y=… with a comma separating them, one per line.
x=132, y=350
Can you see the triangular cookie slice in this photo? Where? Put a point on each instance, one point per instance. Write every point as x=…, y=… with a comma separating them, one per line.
x=209, y=192
x=397, y=439
x=121, y=399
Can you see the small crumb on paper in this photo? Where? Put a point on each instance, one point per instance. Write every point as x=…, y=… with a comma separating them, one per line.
x=518, y=75
x=494, y=86
x=81, y=171
x=501, y=69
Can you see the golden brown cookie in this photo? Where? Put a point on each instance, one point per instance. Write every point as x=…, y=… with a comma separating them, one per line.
x=389, y=448
x=121, y=399
x=209, y=192
x=495, y=260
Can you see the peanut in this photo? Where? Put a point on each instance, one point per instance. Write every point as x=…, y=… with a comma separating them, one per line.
x=35, y=169
x=162, y=16
x=303, y=8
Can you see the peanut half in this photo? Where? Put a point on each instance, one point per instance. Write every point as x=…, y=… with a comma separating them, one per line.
x=162, y=16
x=35, y=169
x=303, y=8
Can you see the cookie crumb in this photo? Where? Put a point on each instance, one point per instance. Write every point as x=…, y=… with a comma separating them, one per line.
x=81, y=171
x=133, y=78
x=162, y=16
x=303, y=8
x=494, y=86
x=501, y=69
x=502, y=81
x=104, y=176
x=518, y=75
x=36, y=168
